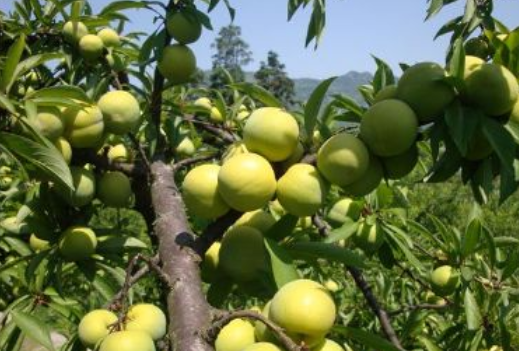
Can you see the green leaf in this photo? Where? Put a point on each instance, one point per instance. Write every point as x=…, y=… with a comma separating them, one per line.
x=348, y=103
x=258, y=93
x=282, y=228
x=118, y=244
x=428, y=344
x=14, y=54
x=330, y=252
x=30, y=63
x=313, y=106
x=6, y=104
x=383, y=76
x=462, y=123
x=105, y=287
x=395, y=236
x=282, y=266
x=472, y=237
x=457, y=60
x=116, y=6
x=372, y=341
x=34, y=328
x=472, y=312
x=491, y=245
x=343, y=232
x=502, y=142
x=61, y=92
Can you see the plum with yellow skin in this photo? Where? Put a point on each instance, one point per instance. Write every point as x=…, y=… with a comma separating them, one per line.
x=186, y=147
x=84, y=126
x=246, y=182
x=258, y=219
x=109, y=37
x=118, y=153
x=128, y=341
x=343, y=210
x=262, y=346
x=49, y=122
x=398, y=166
x=262, y=332
x=328, y=345
x=147, y=318
x=201, y=194
x=184, y=27
x=389, y=128
x=77, y=243
x=84, y=183
x=243, y=255
x=369, y=182
x=73, y=31
x=38, y=244
x=114, y=189
x=369, y=237
x=91, y=47
x=343, y=159
x=215, y=115
x=305, y=309
x=95, y=326
x=209, y=266
x=272, y=133
x=203, y=102
x=236, y=148
x=178, y=63
x=301, y=190
x=235, y=336
x=121, y=111
x=64, y=148
x=444, y=280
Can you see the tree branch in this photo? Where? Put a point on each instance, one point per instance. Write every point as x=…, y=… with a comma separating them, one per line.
x=215, y=232
x=423, y=306
x=211, y=128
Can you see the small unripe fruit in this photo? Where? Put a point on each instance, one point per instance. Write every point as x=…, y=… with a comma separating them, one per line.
x=343, y=159
x=64, y=148
x=147, y=318
x=477, y=47
x=398, y=166
x=235, y=336
x=178, y=63
x=444, y=280
x=246, y=182
x=204, y=103
x=186, y=147
x=216, y=115
x=118, y=153
x=262, y=346
x=74, y=31
x=369, y=237
x=369, y=182
x=258, y=219
x=109, y=37
x=200, y=191
x=77, y=243
x=114, y=189
x=388, y=92
x=95, y=326
x=211, y=261
x=91, y=47
x=343, y=210
x=38, y=244
x=49, y=122
x=328, y=345
x=84, y=187
x=185, y=28
x=128, y=341
x=121, y=111
x=271, y=132
x=83, y=126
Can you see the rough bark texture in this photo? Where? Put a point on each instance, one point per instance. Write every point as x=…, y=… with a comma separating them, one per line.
x=186, y=302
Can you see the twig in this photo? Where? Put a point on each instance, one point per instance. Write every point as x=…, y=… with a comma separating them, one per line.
x=322, y=227
x=142, y=152
x=423, y=306
x=310, y=159
x=214, y=232
x=189, y=161
x=211, y=128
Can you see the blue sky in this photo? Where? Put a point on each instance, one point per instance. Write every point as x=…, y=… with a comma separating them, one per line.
x=392, y=30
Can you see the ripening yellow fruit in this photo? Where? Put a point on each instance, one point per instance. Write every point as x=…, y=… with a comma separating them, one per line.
x=73, y=31
x=118, y=153
x=109, y=37
x=235, y=336
x=258, y=219
x=128, y=341
x=84, y=187
x=423, y=88
x=209, y=266
x=186, y=147
x=38, y=244
x=343, y=159
x=246, y=182
x=471, y=63
x=83, y=126
x=369, y=237
x=178, y=63
x=301, y=190
x=386, y=93
x=243, y=255
x=369, y=182
x=121, y=111
x=444, y=280
x=201, y=194
x=203, y=102
x=271, y=132
x=114, y=189
x=389, y=128
x=398, y=166
x=77, y=243
x=64, y=148
x=147, y=318
x=215, y=115
x=262, y=346
x=49, y=122
x=95, y=326
x=91, y=47
x=236, y=148
x=184, y=27
x=328, y=345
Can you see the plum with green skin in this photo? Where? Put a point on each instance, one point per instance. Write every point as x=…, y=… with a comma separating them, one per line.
x=235, y=336
x=91, y=47
x=186, y=147
x=343, y=210
x=301, y=190
x=398, y=166
x=109, y=37
x=262, y=346
x=492, y=88
x=84, y=126
x=115, y=62
x=178, y=63
x=258, y=219
x=328, y=345
x=305, y=309
x=444, y=280
x=38, y=244
x=95, y=326
x=423, y=88
x=201, y=194
x=477, y=47
x=73, y=31
x=64, y=148
x=121, y=111
x=77, y=243
x=243, y=255
x=389, y=128
x=128, y=341
x=272, y=133
x=209, y=266
x=471, y=63
x=246, y=182
x=369, y=182
x=49, y=122
x=343, y=159
x=114, y=189
x=184, y=27
x=147, y=318
x=84, y=187
x=386, y=93
x=369, y=237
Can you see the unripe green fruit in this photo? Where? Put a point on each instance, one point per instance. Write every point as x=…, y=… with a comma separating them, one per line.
x=77, y=243
x=389, y=128
x=444, y=280
x=115, y=62
x=262, y=346
x=83, y=126
x=91, y=47
x=243, y=255
x=301, y=190
x=118, y=153
x=64, y=148
x=423, y=89
x=235, y=336
x=147, y=318
x=343, y=159
x=114, y=189
x=5, y=182
x=178, y=63
x=95, y=326
x=186, y=147
x=369, y=237
x=479, y=147
x=49, y=122
x=74, y=31
x=128, y=341
x=328, y=345
x=200, y=191
x=109, y=37
x=84, y=187
x=210, y=263
x=258, y=219
x=185, y=28
x=388, y=92
x=369, y=182
x=396, y=167
x=431, y=298
x=343, y=210
x=305, y=309
x=246, y=182
x=271, y=132
x=121, y=111
x=493, y=88
x=477, y=47
x=38, y=244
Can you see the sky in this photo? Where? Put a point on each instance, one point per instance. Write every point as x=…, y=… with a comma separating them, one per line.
x=393, y=30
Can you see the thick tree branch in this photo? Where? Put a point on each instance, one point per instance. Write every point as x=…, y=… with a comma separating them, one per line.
x=215, y=232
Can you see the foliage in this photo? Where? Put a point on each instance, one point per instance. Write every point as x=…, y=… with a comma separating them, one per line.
x=272, y=76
